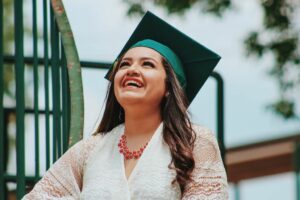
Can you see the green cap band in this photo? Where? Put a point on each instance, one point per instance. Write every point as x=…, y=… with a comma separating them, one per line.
x=168, y=54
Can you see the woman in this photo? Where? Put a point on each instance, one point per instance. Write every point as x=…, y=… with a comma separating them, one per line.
x=145, y=146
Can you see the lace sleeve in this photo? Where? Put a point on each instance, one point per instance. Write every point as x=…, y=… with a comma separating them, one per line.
x=64, y=179
x=209, y=181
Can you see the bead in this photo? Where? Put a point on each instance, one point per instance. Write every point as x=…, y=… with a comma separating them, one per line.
x=123, y=149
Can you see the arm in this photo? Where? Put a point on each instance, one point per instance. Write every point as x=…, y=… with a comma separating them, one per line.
x=209, y=181
x=64, y=179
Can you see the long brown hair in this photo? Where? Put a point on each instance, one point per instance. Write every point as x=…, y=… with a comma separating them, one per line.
x=177, y=128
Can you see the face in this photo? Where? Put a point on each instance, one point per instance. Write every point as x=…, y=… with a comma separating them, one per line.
x=140, y=78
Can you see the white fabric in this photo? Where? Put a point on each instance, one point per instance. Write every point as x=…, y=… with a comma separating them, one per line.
x=94, y=169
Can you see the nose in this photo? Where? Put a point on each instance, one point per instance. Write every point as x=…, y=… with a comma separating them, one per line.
x=133, y=71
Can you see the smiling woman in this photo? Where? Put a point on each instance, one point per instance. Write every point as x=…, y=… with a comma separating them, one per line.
x=145, y=146
x=140, y=79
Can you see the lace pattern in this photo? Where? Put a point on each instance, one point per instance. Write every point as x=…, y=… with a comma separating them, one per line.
x=64, y=179
x=209, y=177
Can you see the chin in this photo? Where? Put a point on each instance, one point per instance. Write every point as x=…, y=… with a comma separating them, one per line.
x=130, y=99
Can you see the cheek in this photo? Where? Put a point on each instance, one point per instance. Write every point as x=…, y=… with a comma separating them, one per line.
x=117, y=81
x=118, y=77
x=159, y=84
x=163, y=87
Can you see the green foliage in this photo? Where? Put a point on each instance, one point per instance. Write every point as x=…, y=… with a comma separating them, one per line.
x=284, y=107
x=283, y=45
x=277, y=13
x=253, y=46
x=135, y=9
x=216, y=7
x=282, y=42
x=8, y=38
x=8, y=31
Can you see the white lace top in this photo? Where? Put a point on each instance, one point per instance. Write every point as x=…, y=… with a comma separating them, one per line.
x=94, y=169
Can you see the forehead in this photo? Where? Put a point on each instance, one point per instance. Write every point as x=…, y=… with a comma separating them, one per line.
x=142, y=52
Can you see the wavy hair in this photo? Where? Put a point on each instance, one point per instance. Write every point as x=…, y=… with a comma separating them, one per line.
x=177, y=128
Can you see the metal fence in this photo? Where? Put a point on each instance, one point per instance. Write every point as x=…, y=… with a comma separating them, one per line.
x=48, y=57
x=53, y=64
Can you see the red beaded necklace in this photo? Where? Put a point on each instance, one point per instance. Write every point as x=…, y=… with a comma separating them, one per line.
x=123, y=149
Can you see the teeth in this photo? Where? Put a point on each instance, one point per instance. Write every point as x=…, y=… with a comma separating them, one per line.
x=133, y=83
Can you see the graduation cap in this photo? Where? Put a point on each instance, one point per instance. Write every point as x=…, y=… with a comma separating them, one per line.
x=191, y=61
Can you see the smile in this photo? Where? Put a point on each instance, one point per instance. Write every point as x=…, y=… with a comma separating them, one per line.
x=132, y=82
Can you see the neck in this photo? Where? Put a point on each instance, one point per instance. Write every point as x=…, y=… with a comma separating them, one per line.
x=141, y=122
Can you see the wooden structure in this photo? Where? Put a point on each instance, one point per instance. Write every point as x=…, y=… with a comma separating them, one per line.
x=262, y=158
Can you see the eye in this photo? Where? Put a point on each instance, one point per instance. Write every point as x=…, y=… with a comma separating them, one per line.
x=124, y=64
x=148, y=63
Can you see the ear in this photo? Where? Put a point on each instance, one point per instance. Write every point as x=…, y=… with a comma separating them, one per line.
x=167, y=94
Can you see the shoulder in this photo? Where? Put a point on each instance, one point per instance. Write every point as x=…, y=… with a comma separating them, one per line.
x=204, y=134
x=80, y=151
x=93, y=142
x=87, y=142
x=206, y=146
x=92, y=139
x=99, y=136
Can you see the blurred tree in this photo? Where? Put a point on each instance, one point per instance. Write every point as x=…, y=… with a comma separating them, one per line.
x=8, y=38
x=8, y=49
x=278, y=37
x=279, y=24
x=216, y=7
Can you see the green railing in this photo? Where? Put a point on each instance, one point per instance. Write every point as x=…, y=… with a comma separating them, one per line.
x=20, y=98
x=296, y=163
x=3, y=159
x=59, y=138
x=55, y=78
x=56, y=105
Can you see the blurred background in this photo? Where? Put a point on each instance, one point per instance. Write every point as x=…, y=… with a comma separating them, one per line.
x=258, y=41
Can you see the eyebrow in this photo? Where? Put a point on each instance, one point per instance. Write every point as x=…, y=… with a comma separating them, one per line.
x=142, y=58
